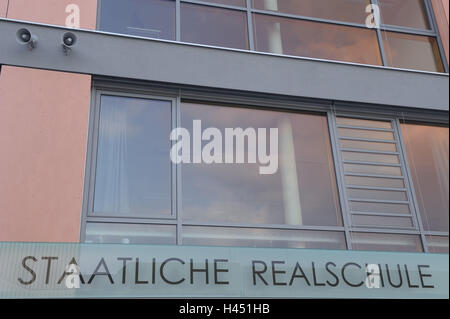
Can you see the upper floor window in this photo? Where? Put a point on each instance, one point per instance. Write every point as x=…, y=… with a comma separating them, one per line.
x=150, y=18
x=325, y=29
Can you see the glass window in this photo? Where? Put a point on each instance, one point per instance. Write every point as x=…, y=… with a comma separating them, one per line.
x=386, y=242
x=427, y=150
x=341, y=10
x=133, y=165
x=315, y=40
x=114, y=233
x=412, y=52
x=437, y=244
x=409, y=13
x=255, y=237
x=150, y=18
x=301, y=192
x=214, y=26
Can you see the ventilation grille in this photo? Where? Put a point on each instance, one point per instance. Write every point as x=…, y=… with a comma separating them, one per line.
x=376, y=191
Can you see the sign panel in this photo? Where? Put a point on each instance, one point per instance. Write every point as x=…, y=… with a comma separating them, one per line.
x=60, y=270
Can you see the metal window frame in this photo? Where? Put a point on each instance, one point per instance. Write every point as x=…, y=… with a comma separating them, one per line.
x=91, y=160
x=178, y=93
x=250, y=11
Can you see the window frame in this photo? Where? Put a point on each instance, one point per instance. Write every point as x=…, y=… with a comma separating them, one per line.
x=176, y=94
x=433, y=32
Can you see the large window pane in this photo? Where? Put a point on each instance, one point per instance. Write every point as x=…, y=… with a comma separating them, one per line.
x=386, y=242
x=405, y=13
x=149, y=18
x=214, y=26
x=412, y=52
x=341, y=10
x=133, y=163
x=255, y=237
x=315, y=40
x=301, y=192
x=111, y=233
x=427, y=150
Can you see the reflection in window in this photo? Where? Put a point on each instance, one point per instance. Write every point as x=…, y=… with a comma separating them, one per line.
x=255, y=237
x=302, y=191
x=409, y=13
x=316, y=40
x=437, y=244
x=113, y=233
x=150, y=18
x=386, y=242
x=214, y=26
x=427, y=150
x=340, y=10
x=133, y=166
x=412, y=52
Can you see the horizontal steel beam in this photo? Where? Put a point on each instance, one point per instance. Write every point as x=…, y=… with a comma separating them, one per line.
x=112, y=55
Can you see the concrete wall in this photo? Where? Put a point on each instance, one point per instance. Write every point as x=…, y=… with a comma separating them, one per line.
x=43, y=136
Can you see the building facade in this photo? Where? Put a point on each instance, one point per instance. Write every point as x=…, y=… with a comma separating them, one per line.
x=91, y=92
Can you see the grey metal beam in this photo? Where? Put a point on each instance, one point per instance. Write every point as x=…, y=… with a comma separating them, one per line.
x=104, y=54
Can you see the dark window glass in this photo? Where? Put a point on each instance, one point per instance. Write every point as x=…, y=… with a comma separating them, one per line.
x=405, y=13
x=301, y=192
x=113, y=233
x=214, y=26
x=315, y=40
x=386, y=242
x=412, y=52
x=238, y=3
x=427, y=150
x=255, y=237
x=149, y=18
x=133, y=163
x=341, y=10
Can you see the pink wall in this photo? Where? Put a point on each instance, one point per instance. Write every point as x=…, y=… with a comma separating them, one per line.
x=43, y=137
x=53, y=11
x=3, y=6
x=43, y=143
